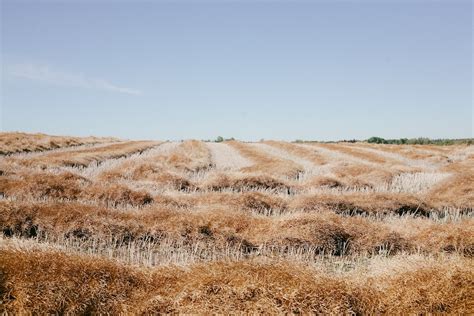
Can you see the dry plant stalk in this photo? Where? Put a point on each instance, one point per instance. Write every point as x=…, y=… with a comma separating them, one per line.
x=84, y=157
x=264, y=163
x=306, y=153
x=75, y=285
x=22, y=142
x=143, y=227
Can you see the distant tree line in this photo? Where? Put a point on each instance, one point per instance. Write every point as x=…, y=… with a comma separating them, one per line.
x=400, y=141
x=420, y=141
x=380, y=140
x=218, y=139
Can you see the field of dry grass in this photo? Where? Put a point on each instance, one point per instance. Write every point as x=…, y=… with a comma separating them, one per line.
x=143, y=227
x=21, y=142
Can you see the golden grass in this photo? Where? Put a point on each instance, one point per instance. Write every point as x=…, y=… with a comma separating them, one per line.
x=359, y=175
x=15, y=142
x=368, y=171
x=353, y=151
x=191, y=155
x=322, y=231
x=338, y=230
x=84, y=157
x=245, y=182
x=264, y=163
x=49, y=281
x=303, y=152
x=69, y=186
x=456, y=191
x=167, y=170
x=413, y=152
x=362, y=202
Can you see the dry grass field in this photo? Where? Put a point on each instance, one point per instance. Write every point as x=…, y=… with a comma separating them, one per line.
x=91, y=225
x=22, y=142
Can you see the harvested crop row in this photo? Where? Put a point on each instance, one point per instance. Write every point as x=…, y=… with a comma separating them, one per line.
x=169, y=169
x=49, y=281
x=342, y=164
x=322, y=232
x=439, y=148
x=303, y=152
x=190, y=156
x=70, y=187
x=353, y=151
x=412, y=152
x=23, y=142
x=357, y=169
x=258, y=194
x=455, y=191
x=225, y=157
x=264, y=163
x=351, y=203
x=84, y=157
x=172, y=172
x=304, y=229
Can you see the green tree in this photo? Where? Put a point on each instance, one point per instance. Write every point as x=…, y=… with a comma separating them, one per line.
x=376, y=140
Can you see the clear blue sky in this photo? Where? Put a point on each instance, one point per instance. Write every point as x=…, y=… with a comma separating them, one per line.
x=321, y=70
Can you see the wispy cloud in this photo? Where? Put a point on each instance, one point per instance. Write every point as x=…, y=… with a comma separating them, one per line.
x=49, y=75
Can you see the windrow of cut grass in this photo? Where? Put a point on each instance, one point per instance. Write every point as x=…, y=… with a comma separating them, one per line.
x=258, y=194
x=351, y=168
x=84, y=157
x=70, y=187
x=218, y=229
x=16, y=142
x=225, y=157
x=354, y=151
x=459, y=195
x=455, y=191
x=173, y=227
x=169, y=168
x=373, y=157
x=264, y=163
x=35, y=280
x=424, y=153
x=364, y=176
x=303, y=152
x=363, y=203
x=191, y=155
x=242, y=182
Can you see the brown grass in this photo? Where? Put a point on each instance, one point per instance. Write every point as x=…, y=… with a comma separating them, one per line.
x=358, y=233
x=325, y=182
x=456, y=191
x=303, y=152
x=413, y=152
x=252, y=201
x=166, y=169
x=360, y=203
x=157, y=173
x=264, y=163
x=84, y=157
x=22, y=142
x=245, y=183
x=353, y=151
x=69, y=186
x=44, y=185
x=323, y=231
x=359, y=175
x=48, y=281
x=116, y=195
x=191, y=155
